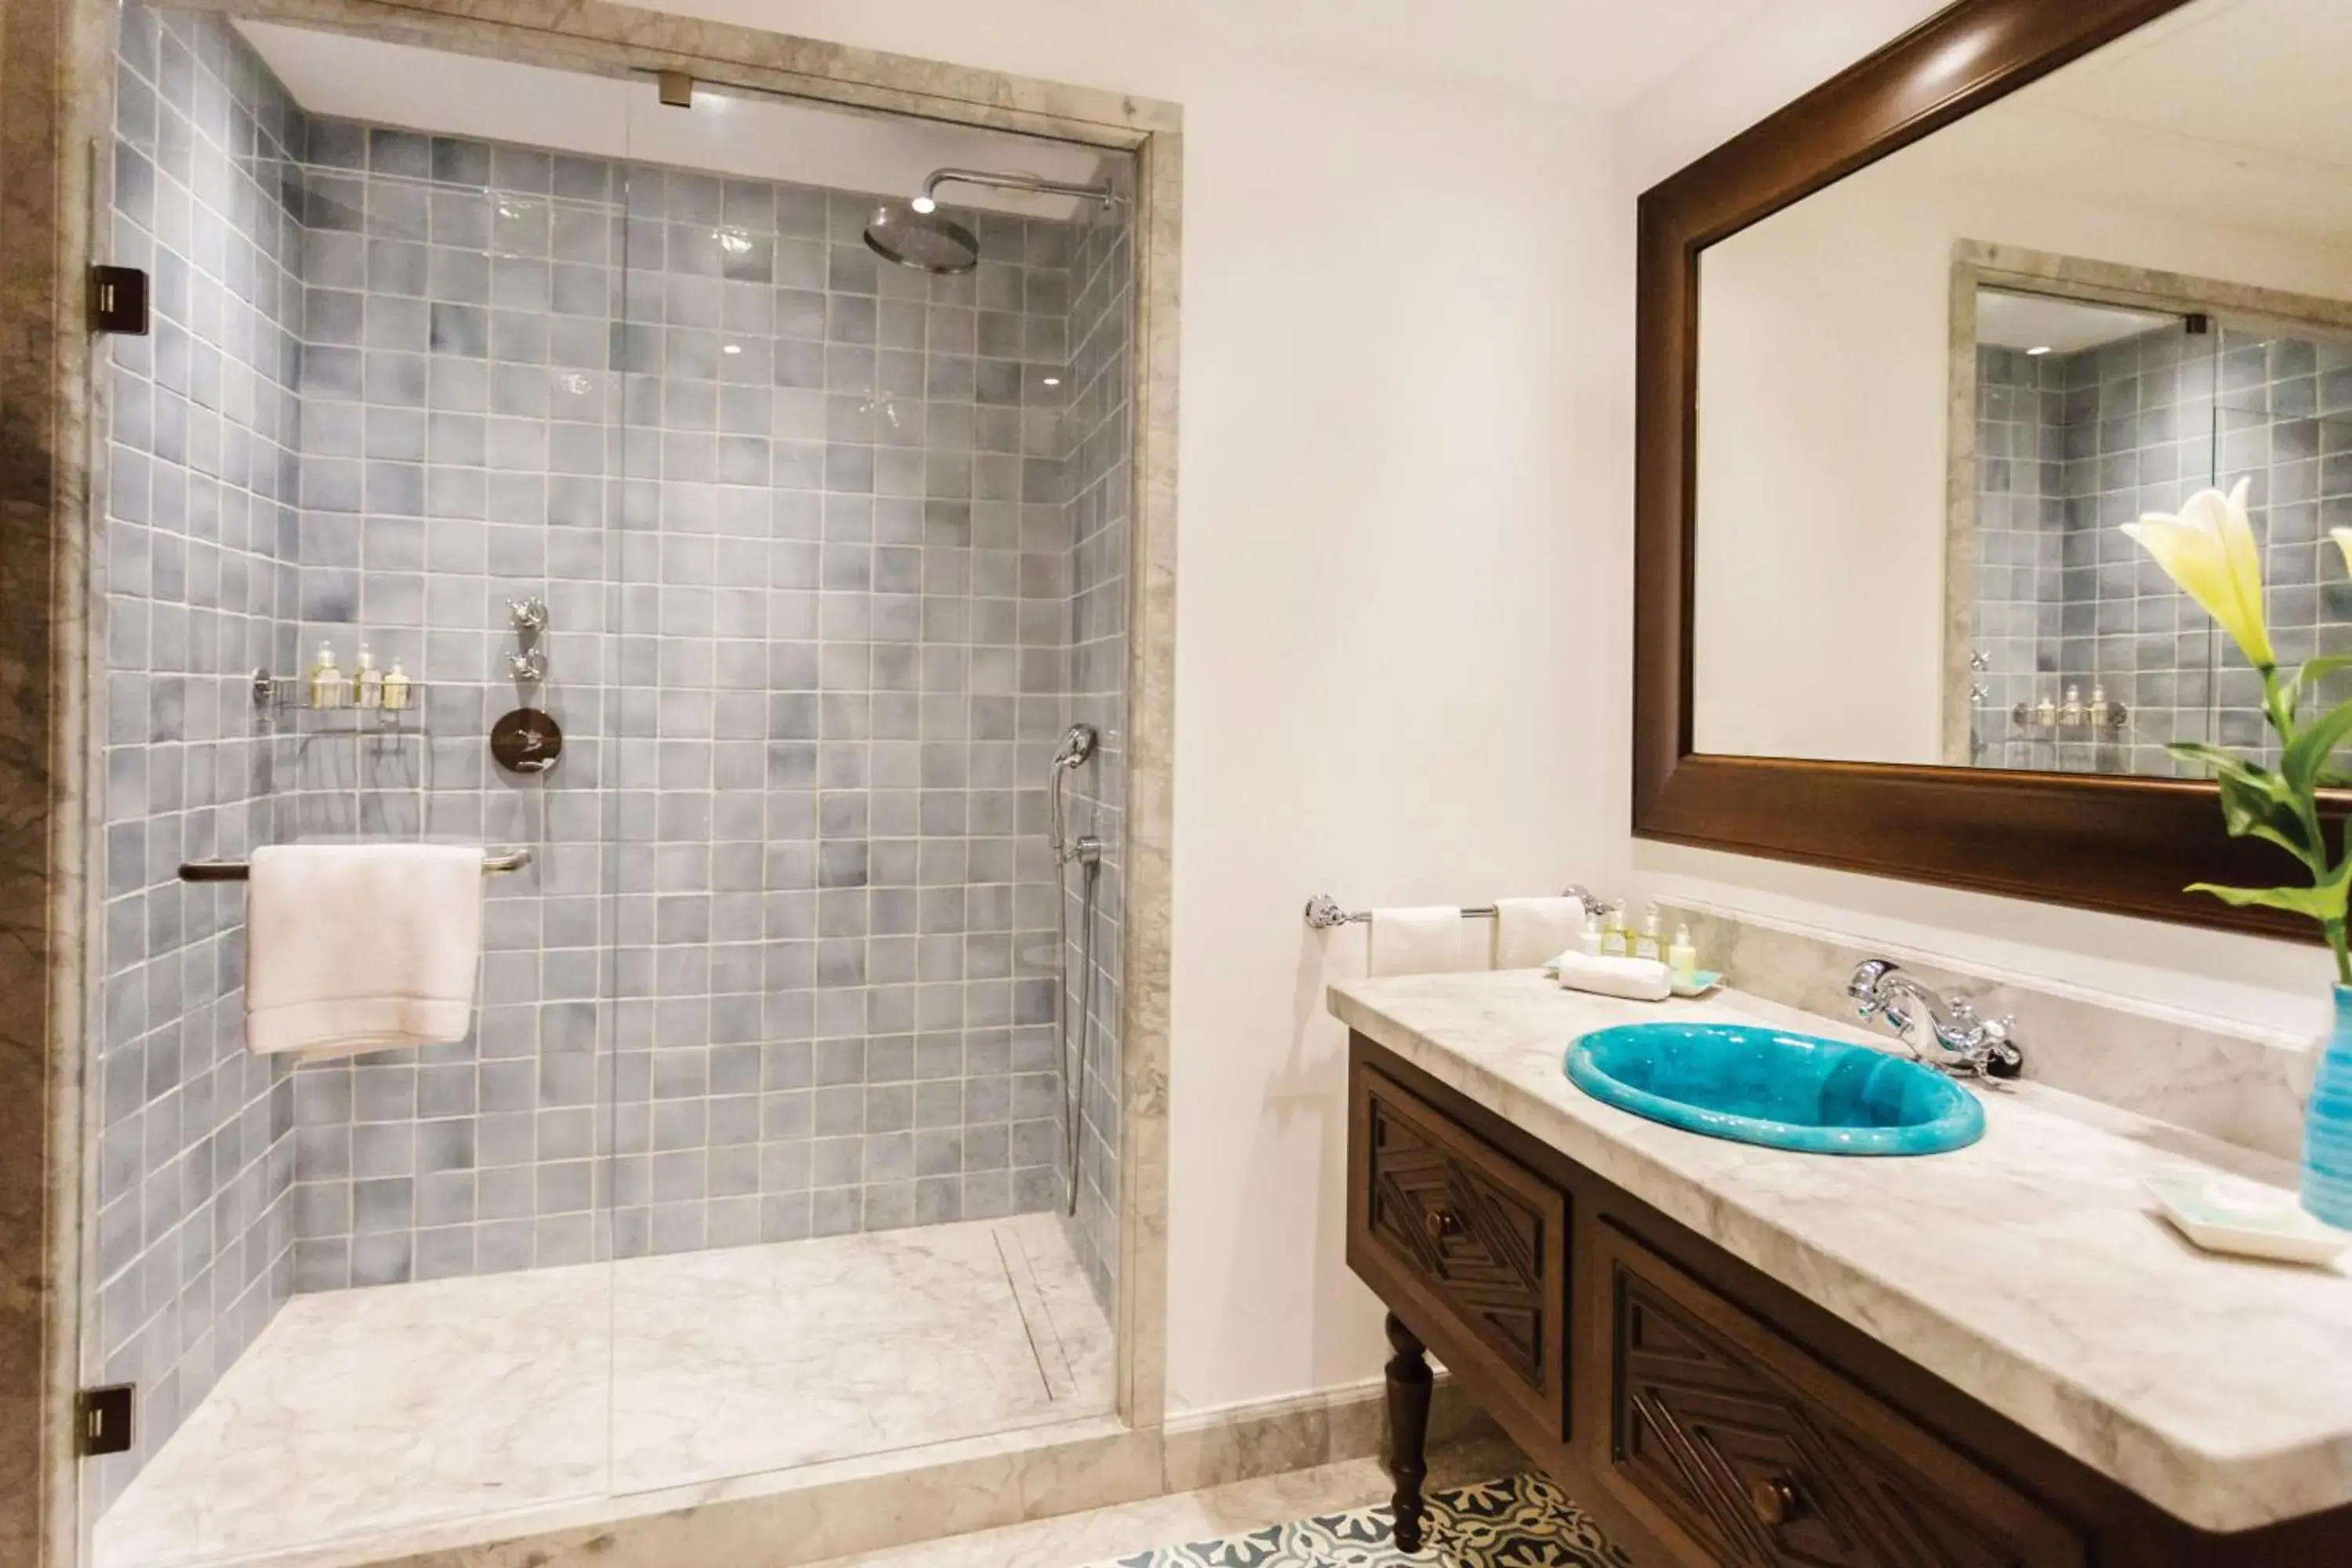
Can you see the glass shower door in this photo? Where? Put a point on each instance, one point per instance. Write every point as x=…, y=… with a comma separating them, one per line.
x=843, y=659
x=361, y=1295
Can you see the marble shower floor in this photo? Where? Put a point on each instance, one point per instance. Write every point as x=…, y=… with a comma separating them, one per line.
x=364, y=1413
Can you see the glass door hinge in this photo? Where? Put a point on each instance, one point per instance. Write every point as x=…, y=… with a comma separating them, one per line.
x=119, y=300
x=102, y=1419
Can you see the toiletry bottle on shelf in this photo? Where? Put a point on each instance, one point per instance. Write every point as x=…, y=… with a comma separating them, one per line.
x=1613, y=933
x=1588, y=935
x=326, y=679
x=1682, y=959
x=395, y=687
x=367, y=681
x=1648, y=945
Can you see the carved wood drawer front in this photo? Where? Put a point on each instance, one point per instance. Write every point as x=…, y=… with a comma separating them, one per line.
x=1480, y=1238
x=1764, y=1457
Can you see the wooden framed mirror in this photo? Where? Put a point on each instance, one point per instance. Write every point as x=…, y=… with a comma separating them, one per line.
x=1909, y=351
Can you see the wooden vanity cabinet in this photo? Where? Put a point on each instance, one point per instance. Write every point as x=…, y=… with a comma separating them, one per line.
x=1703, y=1412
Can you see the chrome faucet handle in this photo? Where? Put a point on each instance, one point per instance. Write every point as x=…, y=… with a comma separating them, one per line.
x=1593, y=906
x=1864, y=986
x=1995, y=1053
x=526, y=614
x=528, y=665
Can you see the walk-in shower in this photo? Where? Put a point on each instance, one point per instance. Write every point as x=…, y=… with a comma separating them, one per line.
x=787, y=1130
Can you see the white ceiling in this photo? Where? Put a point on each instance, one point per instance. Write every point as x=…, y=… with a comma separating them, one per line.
x=2231, y=112
x=2015, y=320
x=1596, y=54
x=2259, y=76
x=755, y=135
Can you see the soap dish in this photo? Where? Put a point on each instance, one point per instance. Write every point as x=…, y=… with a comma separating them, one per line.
x=2228, y=1214
x=1701, y=981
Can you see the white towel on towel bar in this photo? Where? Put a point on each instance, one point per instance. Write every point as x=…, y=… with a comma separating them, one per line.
x=360, y=947
x=1417, y=942
x=1530, y=932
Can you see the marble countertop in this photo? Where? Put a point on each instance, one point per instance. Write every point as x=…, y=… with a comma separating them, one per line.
x=2028, y=1270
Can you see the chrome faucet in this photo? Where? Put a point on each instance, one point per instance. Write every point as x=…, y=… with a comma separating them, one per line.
x=1966, y=1045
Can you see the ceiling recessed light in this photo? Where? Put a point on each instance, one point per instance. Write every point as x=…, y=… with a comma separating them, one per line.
x=2038, y=352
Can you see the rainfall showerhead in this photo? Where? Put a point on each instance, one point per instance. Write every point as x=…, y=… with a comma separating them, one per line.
x=913, y=233
x=924, y=241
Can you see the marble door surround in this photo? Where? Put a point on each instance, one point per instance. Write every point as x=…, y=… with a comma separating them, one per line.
x=55, y=116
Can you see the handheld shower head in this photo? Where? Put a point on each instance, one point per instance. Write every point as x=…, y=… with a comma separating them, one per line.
x=1078, y=745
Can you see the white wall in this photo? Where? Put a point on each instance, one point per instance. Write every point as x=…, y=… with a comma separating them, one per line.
x=1824, y=374
x=1400, y=532
x=1777, y=56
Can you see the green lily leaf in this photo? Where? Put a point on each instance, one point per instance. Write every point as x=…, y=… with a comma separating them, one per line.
x=2307, y=753
x=2314, y=669
x=2257, y=806
x=2322, y=903
x=2220, y=758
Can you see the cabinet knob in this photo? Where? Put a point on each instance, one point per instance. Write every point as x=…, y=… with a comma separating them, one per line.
x=1441, y=1223
x=1776, y=1499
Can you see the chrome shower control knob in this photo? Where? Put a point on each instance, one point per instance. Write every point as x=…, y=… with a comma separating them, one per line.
x=528, y=615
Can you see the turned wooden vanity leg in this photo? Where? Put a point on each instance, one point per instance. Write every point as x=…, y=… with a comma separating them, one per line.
x=1408, y=1430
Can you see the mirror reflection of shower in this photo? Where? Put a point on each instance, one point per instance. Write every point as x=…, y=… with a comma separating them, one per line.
x=1077, y=749
x=916, y=233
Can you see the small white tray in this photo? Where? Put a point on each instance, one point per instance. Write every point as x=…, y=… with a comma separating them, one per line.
x=2228, y=1214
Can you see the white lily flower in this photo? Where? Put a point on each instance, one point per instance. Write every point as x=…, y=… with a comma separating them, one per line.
x=2209, y=549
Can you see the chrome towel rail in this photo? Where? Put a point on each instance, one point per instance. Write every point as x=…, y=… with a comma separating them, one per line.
x=494, y=863
x=1323, y=912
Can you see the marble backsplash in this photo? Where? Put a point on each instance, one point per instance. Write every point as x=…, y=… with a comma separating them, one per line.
x=2245, y=1087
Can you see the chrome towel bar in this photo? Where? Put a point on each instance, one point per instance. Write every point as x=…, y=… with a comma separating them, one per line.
x=494, y=863
x=1323, y=912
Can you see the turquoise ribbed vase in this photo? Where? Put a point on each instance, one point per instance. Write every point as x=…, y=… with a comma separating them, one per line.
x=2327, y=1124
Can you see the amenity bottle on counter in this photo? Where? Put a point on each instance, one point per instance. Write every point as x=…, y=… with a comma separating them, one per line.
x=1647, y=943
x=1682, y=959
x=1588, y=935
x=1614, y=935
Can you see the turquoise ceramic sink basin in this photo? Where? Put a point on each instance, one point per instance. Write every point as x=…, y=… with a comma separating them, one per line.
x=1771, y=1087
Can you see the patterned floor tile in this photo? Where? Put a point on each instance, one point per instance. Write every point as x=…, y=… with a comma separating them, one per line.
x=1519, y=1522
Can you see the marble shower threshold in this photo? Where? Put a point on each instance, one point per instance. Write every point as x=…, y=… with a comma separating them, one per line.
x=368, y=1415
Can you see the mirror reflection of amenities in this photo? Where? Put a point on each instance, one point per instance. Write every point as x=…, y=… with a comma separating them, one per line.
x=1921, y=398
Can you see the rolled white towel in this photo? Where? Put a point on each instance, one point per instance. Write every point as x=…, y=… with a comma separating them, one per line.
x=1635, y=979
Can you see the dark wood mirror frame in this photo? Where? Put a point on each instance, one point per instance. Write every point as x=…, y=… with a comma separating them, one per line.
x=2129, y=846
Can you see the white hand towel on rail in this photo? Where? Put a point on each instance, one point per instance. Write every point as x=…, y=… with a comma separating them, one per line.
x=360, y=947
x=1529, y=932
x=1415, y=941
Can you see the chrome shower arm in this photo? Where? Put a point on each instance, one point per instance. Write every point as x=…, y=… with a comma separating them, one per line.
x=1099, y=192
